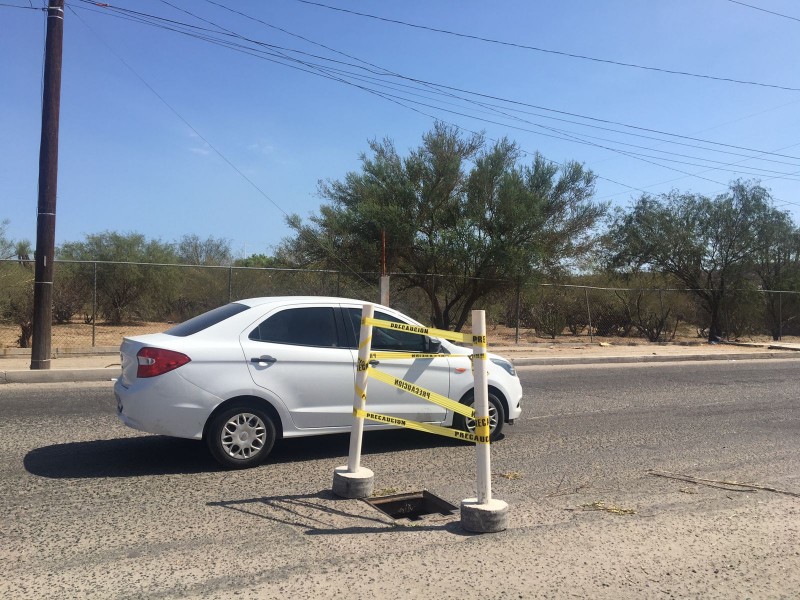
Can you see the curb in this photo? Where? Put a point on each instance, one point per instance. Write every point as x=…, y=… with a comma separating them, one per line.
x=600, y=360
x=58, y=375
x=758, y=345
x=106, y=374
x=62, y=352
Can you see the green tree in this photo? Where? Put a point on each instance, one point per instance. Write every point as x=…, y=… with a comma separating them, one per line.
x=16, y=285
x=776, y=264
x=456, y=232
x=23, y=250
x=124, y=291
x=704, y=243
x=196, y=290
x=10, y=248
x=260, y=261
x=193, y=250
x=6, y=244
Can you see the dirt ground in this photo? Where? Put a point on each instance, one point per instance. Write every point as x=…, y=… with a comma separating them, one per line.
x=80, y=335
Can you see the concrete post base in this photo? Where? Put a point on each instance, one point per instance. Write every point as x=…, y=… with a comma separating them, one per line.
x=353, y=485
x=484, y=518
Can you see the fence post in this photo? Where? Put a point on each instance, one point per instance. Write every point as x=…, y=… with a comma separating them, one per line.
x=385, y=282
x=482, y=514
x=353, y=480
x=94, y=305
x=230, y=284
x=589, y=313
x=338, y=283
x=519, y=290
x=780, y=316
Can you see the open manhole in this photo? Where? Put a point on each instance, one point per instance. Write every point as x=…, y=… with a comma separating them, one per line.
x=412, y=505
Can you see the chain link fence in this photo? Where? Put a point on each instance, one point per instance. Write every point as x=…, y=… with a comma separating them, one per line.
x=95, y=304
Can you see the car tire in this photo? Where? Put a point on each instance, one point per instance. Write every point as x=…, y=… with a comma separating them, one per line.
x=241, y=436
x=497, y=416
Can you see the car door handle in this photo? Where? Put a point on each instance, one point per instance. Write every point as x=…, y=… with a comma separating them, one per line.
x=374, y=363
x=263, y=359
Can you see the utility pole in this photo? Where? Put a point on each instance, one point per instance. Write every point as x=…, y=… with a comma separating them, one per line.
x=48, y=179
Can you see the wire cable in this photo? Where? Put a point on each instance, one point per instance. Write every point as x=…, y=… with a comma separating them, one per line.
x=216, y=150
x=326, y=71
x=31, y=7
x=465, y=91
x=550, y=51
x=772, y=12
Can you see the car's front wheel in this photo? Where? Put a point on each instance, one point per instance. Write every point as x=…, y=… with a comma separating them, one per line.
x=497, y=416
x=241, y=436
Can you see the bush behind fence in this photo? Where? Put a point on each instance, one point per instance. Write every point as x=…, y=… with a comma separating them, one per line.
x=97, y=303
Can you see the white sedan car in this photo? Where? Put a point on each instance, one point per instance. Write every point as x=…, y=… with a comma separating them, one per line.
x=248, y=373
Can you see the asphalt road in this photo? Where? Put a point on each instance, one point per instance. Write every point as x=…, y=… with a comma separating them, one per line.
x=92, y=509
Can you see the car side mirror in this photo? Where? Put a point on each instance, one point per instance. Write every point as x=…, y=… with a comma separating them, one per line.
x=432, y=346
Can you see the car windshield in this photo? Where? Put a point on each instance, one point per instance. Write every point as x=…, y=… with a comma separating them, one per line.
x=206, y=320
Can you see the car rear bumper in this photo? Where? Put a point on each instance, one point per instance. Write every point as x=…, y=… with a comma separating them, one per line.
x=160, y=405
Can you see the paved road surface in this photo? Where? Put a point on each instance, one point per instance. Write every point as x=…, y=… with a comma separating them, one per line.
x=91, y=509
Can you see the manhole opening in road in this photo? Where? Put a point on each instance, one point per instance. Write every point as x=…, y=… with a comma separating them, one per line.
x=412, y=506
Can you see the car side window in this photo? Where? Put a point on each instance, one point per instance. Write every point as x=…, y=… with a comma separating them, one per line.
x=387, y=339
x=314, y=326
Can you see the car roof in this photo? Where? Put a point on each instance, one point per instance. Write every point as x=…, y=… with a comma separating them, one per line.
x=289, y=300
x=251, y=302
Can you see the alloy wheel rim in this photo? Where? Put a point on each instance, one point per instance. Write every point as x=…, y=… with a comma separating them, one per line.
x=470, y=423
x=243, y=436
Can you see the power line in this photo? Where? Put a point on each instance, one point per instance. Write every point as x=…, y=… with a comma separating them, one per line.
x=439, y=86
x=257, y=54
x=31, y=7
x=550, y=51
x=326, y=72
x=772, y=12
x=583, y=124
x=214, y=148
x=568, y=138
x=760, y=153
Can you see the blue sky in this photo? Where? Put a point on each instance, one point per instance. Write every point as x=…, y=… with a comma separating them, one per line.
x=128, y=163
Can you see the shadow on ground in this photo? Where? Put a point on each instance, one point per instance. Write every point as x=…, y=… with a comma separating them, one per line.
x=326, y=514
x=161, y=455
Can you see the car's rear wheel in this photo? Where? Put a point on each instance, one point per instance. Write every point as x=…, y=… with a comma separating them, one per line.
x=241, y=436
x=497, y=416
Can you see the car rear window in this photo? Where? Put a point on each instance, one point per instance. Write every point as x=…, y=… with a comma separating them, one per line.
x=206, y=320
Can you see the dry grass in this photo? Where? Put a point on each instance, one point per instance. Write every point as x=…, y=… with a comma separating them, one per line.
x=79, y=335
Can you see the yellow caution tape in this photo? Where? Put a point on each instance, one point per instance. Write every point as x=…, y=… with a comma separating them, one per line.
x=420, y=392
x=361, y=393
x=477, y=340
x=481, y=421
x=405, y=355
x=427, y=428
x=419, y=330
x=482, y=427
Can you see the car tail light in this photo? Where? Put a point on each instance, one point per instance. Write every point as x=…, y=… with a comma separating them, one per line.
x=156, y=361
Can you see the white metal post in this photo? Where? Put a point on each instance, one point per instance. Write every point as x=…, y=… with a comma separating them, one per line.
x=482, y=514
x=360, y=395
x=481, y=406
